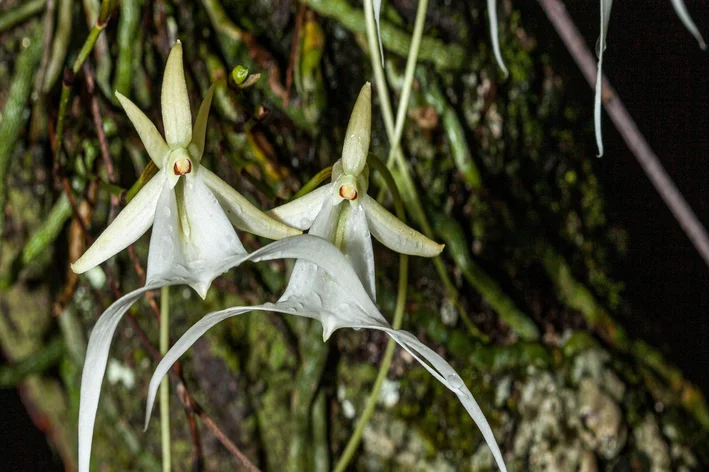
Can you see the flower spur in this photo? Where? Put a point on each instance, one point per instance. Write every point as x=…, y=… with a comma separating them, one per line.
x=340, y=292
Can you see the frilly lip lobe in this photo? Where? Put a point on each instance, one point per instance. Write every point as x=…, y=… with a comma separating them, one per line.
x=348, y=192
x=182, y=167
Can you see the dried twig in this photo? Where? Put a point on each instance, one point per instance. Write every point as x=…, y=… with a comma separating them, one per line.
x=624, y=123
x=90, y=78
x=294, y=49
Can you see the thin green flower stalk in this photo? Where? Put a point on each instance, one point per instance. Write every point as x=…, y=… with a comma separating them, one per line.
x=401, y=169
x=60, y=44
x=370, y=405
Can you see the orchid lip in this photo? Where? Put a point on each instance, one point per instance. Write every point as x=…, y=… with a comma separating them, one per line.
x=182, y=166
x=348, y=191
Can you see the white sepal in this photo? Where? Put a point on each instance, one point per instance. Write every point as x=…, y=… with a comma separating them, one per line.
x=242, y=213
x=129, y=225
x=150, y=136
x=199, y=133
x=394, y=234
x=95, y=367
x=357, y=136
x=301, y=212
x=175, y=102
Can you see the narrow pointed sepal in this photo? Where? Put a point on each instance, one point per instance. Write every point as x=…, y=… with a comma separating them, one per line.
x=394, y=234
x=301, y=212
x=357, y=136
x=129, y=225
x=242, y=214
x=683, y=14
x=176, y=113
x=150, y=136
x=495, y=35
x=199, y=133
x=95, y=368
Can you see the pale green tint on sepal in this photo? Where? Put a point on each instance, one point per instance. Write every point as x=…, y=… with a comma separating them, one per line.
x=601, y=47
x=199, y=133
x=394, y=234
x=301, y=212
x=495, y=35
x=149, y=134
x=129, y=225
x=175, y=102
x=241, y=212
x=683, y=14
x=357, y=136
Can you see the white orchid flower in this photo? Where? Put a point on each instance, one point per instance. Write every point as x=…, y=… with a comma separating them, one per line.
x=340, y=292
x=191, y=211
x=189, y=206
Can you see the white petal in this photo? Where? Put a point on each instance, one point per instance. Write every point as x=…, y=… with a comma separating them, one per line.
x=605, y=17
x=95, y=367
x=154, y=144
x=301, y=212
x=199, y=133
x=324, y=299
x=185, y=342
x=357, y=246
x=129, y=225
x=394, y=234
x=192, y=238
x=175, y=102
x=357, y=136
x=241, y=212
x=445, y=374
x=683, y=14
x=495, y=35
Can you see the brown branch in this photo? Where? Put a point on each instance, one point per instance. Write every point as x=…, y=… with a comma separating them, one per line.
x=294, y=47
x=187, y=399
x=90, y=78
x=624, y=123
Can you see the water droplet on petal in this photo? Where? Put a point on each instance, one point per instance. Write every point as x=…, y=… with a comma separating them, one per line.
x=455, y=381
x=166, y=211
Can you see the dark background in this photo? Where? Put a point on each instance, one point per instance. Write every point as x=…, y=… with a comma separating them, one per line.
x=661, y=75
